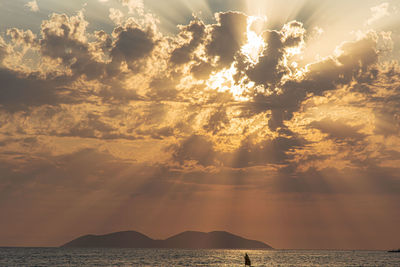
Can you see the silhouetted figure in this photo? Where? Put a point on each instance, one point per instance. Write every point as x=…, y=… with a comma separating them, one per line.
x=247, y=261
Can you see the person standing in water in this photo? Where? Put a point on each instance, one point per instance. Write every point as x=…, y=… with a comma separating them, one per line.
x=247, y=261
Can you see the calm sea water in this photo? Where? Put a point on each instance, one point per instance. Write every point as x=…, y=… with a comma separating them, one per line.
x=175, y=257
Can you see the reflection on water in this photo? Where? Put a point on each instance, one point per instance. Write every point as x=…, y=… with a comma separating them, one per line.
x=177, y=257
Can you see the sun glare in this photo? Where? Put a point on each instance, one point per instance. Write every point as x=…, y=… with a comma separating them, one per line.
x=255, y=42
x=223, y=81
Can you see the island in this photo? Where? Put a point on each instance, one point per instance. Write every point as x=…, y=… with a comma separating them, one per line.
x=184, y=240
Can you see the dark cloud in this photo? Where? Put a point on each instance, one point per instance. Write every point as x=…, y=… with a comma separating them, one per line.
x=339, y=130
x=250, y=153
x=116, y=93
x=227, y=37
x=131, y=45
x=293, y=34
x=354, y=62
x=163, y=88
x=195, y=148
x=270, y=151
x=201, y=70
x=195, y=33
x=281, y=105
x=217, y=120
x=92, y=126
x=270, y=67
x=64, y=38
x=20, y=91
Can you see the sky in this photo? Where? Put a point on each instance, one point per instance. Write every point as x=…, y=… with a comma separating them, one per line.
x=275, y=120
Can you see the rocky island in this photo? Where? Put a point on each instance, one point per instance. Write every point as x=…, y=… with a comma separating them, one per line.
x=184, y=240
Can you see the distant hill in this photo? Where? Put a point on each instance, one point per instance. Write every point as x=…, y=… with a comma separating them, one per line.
x=127, y=239
x=189, y=240
x=216, y=239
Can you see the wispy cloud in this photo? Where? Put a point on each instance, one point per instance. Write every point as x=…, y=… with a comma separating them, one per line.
x=378, y=12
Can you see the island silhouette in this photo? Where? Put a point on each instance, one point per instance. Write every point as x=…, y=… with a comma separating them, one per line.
x=184, y=240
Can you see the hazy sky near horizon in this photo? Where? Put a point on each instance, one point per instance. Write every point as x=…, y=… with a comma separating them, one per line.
x=274, y=120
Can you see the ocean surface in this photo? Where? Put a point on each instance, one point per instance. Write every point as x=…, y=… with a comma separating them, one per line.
x=178, y=257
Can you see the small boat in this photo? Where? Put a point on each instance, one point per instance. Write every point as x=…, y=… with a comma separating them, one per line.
x=395, y=250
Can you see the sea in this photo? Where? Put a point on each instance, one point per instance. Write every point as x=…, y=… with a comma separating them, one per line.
x=178, y=257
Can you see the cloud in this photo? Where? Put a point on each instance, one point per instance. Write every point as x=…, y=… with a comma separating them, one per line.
x=266, y=152
x=68, y=57
x=21, y=37
x=92, y=126
x=353, y=62
x=195, y=32
x=3, y=50
x=136, y=84
x=378, y=12
x=227, y=37
x=272, y=64
x=116, y=16
x=269, y=69
x=65, y=38
x=338, y=130
x=134, y=6
x=195, y=148
x=217, y=120
x=131, y=45
x=387, y=123
x=20, y=91
x=32, y=5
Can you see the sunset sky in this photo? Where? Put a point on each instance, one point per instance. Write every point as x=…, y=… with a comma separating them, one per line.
x=274, y=120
